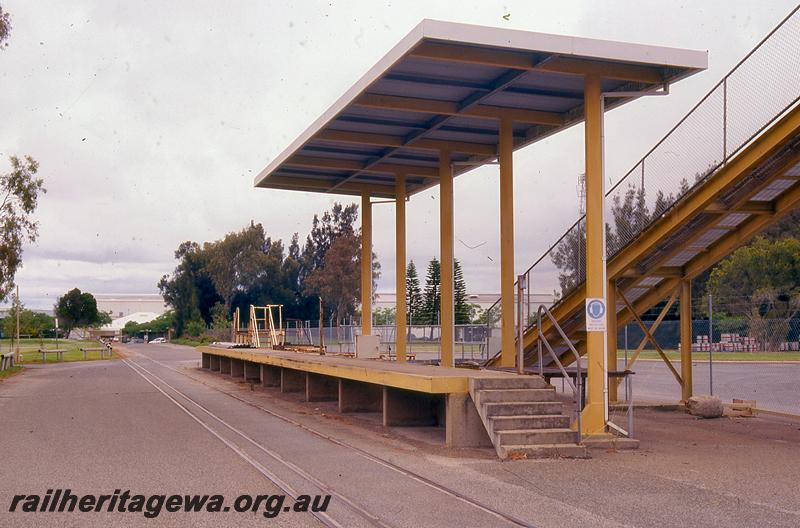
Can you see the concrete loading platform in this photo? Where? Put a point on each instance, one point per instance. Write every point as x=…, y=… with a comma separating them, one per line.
x=515, y=414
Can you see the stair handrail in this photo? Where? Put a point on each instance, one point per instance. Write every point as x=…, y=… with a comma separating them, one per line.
x=578, y=385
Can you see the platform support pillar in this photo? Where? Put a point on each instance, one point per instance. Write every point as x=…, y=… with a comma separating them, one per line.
x=400, y=267
x=366, y=265
x=686, y=339
x=463, y=426
x=446, y=250
x=611, y=304
x=508, y=352
x=594, y=413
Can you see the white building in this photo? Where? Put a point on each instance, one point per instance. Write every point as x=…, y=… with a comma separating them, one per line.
x=124, y=304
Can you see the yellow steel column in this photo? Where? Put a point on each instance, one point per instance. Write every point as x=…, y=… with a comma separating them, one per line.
x=366, y=265
x=686, y=338
x=446, y=250
x=400, y=266
x=593, y=418
x=506, y=158
x=611, y=303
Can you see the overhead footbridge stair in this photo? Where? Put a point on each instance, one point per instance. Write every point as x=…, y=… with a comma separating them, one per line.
x=729, y=169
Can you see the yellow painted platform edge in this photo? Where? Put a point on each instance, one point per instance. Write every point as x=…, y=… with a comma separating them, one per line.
x=398, y=380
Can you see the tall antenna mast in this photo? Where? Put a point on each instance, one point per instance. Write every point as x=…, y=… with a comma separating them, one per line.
x=581, y=188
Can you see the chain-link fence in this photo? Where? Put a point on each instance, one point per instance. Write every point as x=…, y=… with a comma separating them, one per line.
x=756, y=92
x=732, y=357
x=423, y=341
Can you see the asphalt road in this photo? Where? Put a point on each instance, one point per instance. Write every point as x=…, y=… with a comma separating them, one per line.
x=150, y=426
x=774, y=386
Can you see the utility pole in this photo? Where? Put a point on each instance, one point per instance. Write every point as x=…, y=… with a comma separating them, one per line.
x=710, y=345
x=16, y=351
x=321, y=328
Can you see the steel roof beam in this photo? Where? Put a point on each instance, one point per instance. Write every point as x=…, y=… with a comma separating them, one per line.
x=352, y=165
x=449, y=108
x=457, y=83
x=529, y=61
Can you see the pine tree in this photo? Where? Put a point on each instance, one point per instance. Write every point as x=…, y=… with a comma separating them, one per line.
x=414, y=304
x=462, y=309
x=432, y=297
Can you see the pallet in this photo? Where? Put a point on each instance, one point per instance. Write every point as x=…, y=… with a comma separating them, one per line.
x=742, y=408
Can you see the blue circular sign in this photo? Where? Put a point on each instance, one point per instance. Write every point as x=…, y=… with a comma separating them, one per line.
x=596, y=309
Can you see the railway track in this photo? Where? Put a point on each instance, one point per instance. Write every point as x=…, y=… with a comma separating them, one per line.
x=223, y=430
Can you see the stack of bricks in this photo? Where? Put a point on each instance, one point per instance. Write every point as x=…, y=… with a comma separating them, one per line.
x=701, y=344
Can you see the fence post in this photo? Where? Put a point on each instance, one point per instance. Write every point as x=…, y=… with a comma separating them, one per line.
x=710, y=345
x=725, y=121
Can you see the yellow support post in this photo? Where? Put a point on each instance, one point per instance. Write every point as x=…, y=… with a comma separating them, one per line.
x=366, y=265
x=446, y=250
x=686, y=339
x=611, y=337
x=400, y=266
x=508, y=351
x=594, y=417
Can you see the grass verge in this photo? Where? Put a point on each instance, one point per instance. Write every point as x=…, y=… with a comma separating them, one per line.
x=72, y=349
x=7, y=373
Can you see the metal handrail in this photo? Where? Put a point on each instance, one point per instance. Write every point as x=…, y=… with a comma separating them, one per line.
x=578, y=385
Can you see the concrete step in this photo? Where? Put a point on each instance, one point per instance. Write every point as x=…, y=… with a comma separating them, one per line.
x=533, y=421
x=543, y=451
x=516, y=395
x=518, y=408
x=537, y=436
x=511, y=382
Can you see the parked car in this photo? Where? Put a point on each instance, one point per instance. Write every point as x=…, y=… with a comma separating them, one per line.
x=137, y=340
x=158, y=340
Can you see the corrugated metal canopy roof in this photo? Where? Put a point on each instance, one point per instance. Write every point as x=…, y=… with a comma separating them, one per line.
x=447, y=85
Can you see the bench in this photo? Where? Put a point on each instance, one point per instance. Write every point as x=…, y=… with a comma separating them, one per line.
x=57, y=351
x=102, y=351
x=7, y=360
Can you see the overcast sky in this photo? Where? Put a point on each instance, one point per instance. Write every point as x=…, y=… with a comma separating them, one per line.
x=150, y=120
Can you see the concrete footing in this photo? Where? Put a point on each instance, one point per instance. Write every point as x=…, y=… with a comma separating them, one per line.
x=610, y=442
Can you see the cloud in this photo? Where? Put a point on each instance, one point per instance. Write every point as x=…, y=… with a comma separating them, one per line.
x=150, y=120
